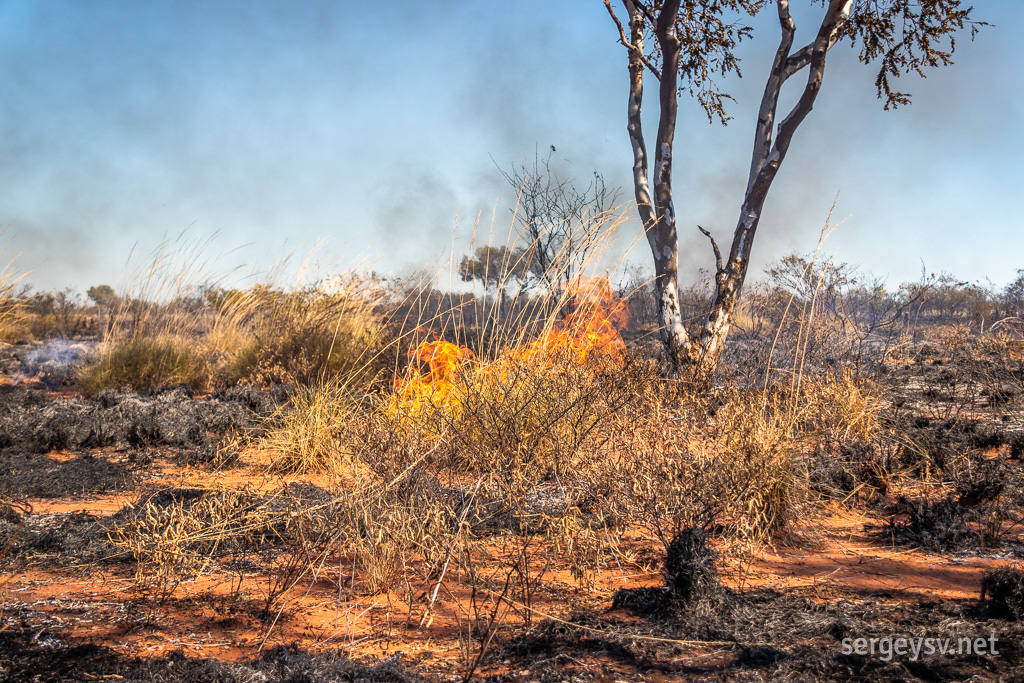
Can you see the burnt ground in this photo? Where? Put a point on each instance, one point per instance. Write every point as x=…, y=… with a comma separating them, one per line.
x=762, y=636
x=961, y=419
x=68, y=447
x=33, y=655
x=755, y=636
x=34, y=422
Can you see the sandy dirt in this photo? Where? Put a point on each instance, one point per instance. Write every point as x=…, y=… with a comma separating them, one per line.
x=73, y=606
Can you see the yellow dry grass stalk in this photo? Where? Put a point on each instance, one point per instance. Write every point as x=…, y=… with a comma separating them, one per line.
x=317, y=432
x=12, y=308
x=176, y=324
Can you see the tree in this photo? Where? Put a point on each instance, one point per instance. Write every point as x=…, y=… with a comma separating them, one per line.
x=1013, y=296
x=691, y=42
x=494, y=267
x=102, y=295
x=559, y=220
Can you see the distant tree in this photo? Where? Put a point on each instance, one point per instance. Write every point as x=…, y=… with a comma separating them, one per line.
x=808, y=280
x=687, y=45
x=1013, y=296
x=102, y=295
x=496, y=268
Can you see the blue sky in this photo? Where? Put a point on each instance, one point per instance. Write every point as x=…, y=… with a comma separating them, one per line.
x=274, y=125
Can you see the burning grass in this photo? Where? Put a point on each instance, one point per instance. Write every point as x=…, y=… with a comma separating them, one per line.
x=535, y=403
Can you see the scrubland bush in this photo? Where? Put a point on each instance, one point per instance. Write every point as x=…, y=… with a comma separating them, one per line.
x=332, y=329
x=523, y=414
x=738, y=463
x=147, y=362
x=314, y=432
x=172, y=329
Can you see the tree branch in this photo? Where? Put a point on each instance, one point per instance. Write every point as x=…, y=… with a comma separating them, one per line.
x=668, y=40
x=802, y=57
x=638, y=52
x=837, y=11
x=646, y=12
x=770, y=98
x=634, y=120
x=714, y=246
x=768, y=155
x=719, y=270
x=766, y=162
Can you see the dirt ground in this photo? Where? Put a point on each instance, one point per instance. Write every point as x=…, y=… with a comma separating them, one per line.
x=74, y=469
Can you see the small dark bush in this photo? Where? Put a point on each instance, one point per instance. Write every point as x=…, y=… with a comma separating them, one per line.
x=988, y=438
x=690, y=572
x=1004, y=589
x=691, y=581
x=932, y=525
x=1017, y=447
x=982, y=484
x=838, y=472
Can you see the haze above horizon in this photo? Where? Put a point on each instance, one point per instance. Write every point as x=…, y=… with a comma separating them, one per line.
x=273, y=126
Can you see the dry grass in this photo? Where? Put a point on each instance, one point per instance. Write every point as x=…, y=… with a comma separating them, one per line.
x=147, y=361
x=567, y=437
x=175, y=325
x=314, y=433
x=12, y=307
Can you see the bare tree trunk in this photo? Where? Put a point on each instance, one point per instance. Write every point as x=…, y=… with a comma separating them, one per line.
x=658, y=214
x=766, y=160
x=700, y=356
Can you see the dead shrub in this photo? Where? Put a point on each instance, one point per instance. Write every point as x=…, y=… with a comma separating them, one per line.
x=690, y=572
x=180, y=533
x=1004, y=589
x=980, y=511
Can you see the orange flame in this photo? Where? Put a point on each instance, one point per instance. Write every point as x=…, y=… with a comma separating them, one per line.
x=444, y=361
x=589, y=336
x=590, y=332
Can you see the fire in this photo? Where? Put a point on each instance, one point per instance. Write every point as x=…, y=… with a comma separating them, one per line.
x=588, y=336
x=444, y=361
x=590, y=333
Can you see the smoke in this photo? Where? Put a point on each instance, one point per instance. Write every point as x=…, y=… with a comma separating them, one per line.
x=55, y=362
x=414, y=215
x=372, y=125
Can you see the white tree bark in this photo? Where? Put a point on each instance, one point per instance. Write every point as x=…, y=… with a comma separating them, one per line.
x=768, y=155
x=657, y=212
x=702, y=353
